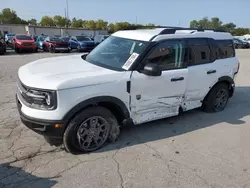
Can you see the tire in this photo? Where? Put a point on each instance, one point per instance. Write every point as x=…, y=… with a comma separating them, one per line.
x=213, y=96
x=17, y=50
x=51, y=49
x=80, y=125
x=78, y=49
x=2, y=51
x=44, y=48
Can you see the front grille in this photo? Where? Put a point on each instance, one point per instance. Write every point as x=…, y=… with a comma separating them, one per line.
x=22, y=90
x=90, y=45
x=27, y=44
x=61, y=45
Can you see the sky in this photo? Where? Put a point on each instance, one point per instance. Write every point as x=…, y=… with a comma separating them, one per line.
x=160, y=12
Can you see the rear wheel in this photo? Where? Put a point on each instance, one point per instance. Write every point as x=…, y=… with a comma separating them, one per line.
x=89, y=130
x=217, y=98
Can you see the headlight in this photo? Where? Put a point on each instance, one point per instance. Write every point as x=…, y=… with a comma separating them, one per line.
x=40, y=99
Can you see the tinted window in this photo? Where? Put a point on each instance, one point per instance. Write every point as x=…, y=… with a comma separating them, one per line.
x=225, y=48
x=24, y=37
x=199, y=52
x=83, y=38
x=55, y=39
x=168, y=55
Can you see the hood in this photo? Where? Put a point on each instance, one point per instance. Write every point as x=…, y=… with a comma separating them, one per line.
x=65, y=72
x=26, y=41
x=55, y=42
x=86, y=42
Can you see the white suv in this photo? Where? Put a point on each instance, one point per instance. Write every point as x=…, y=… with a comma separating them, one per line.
x=133, y=76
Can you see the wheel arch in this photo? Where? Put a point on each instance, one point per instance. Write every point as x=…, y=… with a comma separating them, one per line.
x=115, y=105
x=224, y=79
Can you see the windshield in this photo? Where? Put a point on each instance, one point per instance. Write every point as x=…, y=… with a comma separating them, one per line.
x=24, y=37
x=113, y=52
x=83, y=38
x=55, y=39
x=42, y=38
x=66, y=39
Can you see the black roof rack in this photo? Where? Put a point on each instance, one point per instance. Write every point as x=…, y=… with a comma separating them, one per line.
x=172, y=30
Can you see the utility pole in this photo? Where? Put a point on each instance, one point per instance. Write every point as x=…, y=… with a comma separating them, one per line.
x=65, y=16
x=136, y=20
x=67, y=7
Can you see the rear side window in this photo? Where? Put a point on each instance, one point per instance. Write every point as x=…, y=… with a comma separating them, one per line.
x=198, y=52
x=222, y=49
x=226, y=48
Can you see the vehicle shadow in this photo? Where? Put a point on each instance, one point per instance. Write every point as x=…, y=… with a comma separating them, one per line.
x=237, y=108
x=12, y=177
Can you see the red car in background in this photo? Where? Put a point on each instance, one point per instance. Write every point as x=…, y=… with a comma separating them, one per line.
x=23, y=43
x=55, y=44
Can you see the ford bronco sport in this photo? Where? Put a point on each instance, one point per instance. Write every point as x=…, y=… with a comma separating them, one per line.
x=133, y=77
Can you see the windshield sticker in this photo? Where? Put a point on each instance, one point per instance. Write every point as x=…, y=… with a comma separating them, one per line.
x=130, y=61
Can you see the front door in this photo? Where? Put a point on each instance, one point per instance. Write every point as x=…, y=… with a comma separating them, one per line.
x=156, y=97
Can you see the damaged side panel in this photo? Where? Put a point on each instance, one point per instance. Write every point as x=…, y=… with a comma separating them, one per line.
x=153, y=109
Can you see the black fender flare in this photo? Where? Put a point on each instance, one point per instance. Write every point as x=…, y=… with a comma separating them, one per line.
x=94, y=101
x=227, y=79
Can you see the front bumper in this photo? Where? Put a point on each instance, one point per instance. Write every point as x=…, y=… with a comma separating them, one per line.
x=62, y=48
x=48, y=128
x=86, y=48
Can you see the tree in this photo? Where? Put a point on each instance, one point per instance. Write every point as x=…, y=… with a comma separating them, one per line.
x=76, y=23
x=8, y=16
x=101, y=24
x=91, y=24
x=47, y=21
x=216, y=23
x=61, y=21
x=241, y=31
x=32, y=21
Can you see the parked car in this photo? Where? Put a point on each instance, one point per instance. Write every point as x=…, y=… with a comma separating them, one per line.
x=100, y=38
x=34, y=37
x=40, y=40
x=22, y=42
x=55, y=44
x=66, y=39
x=132, y=77
x=82, y=43
x=8, y=39
x=239, y=43
x=2, y=46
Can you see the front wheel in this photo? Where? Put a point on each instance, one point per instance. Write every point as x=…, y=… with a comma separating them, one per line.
x=17, y=50
x=52, y=49
x=89, y=130
x=2, y=51
x=217, y=98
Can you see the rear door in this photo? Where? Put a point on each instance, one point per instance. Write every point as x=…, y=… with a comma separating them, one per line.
x=202, y=73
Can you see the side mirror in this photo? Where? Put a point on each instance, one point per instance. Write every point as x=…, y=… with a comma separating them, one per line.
x=84, y=56
x=151, y=70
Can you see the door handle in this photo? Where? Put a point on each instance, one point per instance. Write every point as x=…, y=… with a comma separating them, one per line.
x=177, y=79
x=211, y=71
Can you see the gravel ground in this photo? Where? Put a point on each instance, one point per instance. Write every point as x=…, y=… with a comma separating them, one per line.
x=194, y=150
